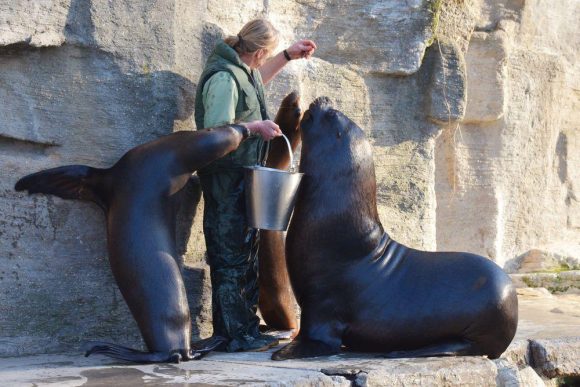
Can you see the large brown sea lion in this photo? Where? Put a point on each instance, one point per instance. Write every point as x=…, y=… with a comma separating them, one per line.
x=276, y=301
x=137, y=196
x=360, y=289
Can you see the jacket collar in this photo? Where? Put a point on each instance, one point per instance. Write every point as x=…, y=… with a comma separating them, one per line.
x=229, y=54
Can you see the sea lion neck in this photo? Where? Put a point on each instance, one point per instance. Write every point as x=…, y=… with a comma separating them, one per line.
x=328, y=162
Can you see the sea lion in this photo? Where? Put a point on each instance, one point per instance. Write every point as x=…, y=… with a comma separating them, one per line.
x=137, y=196
x=360, y=289
x=276, y=300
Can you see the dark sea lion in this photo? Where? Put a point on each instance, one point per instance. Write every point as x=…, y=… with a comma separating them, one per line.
x=360, y=289
x=276, y=302
x=137, y=197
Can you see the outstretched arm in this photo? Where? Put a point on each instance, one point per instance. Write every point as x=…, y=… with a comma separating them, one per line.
x=267, y=129
x=301, y=49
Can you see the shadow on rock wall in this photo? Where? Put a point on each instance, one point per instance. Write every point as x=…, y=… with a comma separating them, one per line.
x=78, y=99
x=210, y=36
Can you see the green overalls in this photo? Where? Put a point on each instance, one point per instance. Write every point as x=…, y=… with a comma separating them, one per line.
x=231, y=244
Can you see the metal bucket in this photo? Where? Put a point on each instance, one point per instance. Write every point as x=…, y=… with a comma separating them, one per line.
x=271, y=195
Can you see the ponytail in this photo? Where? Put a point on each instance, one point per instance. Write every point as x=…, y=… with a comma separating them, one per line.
x=256, y=34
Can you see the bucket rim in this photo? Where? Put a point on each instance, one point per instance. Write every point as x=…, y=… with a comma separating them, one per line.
x=262, y=168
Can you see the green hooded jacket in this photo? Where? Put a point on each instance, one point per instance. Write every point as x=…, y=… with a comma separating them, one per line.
x=250, y=107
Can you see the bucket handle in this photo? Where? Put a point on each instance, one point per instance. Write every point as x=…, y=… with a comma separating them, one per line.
x=292, y=166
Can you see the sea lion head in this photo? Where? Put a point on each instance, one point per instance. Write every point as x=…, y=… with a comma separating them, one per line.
x=329, y=135
x=338, y=190
x=288, y=118
x=289, y=114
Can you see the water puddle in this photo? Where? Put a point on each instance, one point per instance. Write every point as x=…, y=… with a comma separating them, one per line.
x=129, y=377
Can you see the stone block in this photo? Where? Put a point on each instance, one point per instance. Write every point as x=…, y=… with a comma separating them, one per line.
x=342, y=28
x=57, y=287
x=38, y=23
x=467, y=371
x=518, y=352
x=538, y=260
x=42, y=90
x=346, y=88
x=509, y=375
x=557, y=357
x=119, y=27
x=365, y=369
x=486, y=77
x=447, y=91
x=470, y=202
x=562, y=282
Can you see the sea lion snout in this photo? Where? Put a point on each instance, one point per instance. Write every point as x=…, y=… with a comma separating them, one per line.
x=297, y=113
x=292, y=102
x=322, y=103
x=322, y=117
x=293, y=95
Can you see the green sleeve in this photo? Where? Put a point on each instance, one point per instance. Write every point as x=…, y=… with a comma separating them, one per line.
x=220, y=97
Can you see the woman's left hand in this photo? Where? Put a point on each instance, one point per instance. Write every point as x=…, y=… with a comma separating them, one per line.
x=301, y=49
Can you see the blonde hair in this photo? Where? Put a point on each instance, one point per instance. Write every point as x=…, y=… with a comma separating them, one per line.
x=256, y=34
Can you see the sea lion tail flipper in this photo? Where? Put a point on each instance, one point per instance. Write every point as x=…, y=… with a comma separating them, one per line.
x=447, y=348
x=79, y=182
x=302, y=348
x=128, y=354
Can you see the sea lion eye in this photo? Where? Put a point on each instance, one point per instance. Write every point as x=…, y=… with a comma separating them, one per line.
x=331, y=115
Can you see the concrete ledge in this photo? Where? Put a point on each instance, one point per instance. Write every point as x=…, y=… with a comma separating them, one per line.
x=546, y=347
x=254, y=369
x=552, y=358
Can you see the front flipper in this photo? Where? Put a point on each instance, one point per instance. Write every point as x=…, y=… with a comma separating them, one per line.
x=78, y=182
x=448, y=348
x=301, y=348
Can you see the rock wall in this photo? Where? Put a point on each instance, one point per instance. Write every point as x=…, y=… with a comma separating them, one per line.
x=506, y=178
x=472, y=108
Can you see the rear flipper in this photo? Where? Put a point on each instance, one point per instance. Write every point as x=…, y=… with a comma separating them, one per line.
x=123, y=353
x=281, y=334
x=448, y=348
x=199, y=349
x=69, y=182
x=301, y=348
x=202, y=347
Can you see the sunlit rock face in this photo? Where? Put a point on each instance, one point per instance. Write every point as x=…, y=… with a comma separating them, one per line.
x=471, y=107
x=507, y=175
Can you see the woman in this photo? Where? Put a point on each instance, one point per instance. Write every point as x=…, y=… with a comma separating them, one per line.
x=231, y=89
